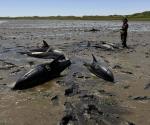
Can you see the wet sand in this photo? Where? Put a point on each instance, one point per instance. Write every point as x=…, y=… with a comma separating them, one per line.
x=124, y=102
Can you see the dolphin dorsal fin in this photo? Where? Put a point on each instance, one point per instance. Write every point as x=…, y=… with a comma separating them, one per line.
x=94, y=58
x=45, y=44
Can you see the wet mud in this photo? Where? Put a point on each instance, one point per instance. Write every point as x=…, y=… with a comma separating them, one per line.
x=77, y=97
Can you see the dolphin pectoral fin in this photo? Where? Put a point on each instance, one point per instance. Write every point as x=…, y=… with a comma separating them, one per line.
x=94, y=58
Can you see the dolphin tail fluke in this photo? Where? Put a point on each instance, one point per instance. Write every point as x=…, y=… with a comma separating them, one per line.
x=94, y=58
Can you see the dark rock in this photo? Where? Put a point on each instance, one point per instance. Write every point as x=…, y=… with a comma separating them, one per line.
x=60, y=82
x=147, y=53
x=137, y=66
x=139, y=98
x=1, y=78
x=14, y=37
x=55, y=100
x=89, y=110
x=106, y=93
x=127, y=72
x=78, y=75
x=69, y=115
x=71, y=91
x=147, y=86
x=130, y=123
x=117, y=67
x=15, y=71
x=87, y=77
x=66, y=119
x=126, y=87
x=146, y=56
x=92, y=30
x=92, y=109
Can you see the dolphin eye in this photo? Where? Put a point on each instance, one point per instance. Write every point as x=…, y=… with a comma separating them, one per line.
x=48, y=67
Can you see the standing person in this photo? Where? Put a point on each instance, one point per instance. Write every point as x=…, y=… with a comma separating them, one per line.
x=124, y=33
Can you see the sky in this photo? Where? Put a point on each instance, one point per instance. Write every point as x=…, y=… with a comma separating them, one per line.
x=71, y=7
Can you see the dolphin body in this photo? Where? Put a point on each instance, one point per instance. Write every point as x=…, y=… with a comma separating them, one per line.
x=100, y=70
x=104, y=45
x=41, y=74
x=46, y=55
x=45, y=48
x=45, y=52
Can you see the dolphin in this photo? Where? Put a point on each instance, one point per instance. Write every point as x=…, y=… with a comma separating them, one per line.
x=41, y=74
x=46, y=55
x=46, y=52
x=100, y=70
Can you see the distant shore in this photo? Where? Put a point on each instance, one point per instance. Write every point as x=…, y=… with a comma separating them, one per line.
x=144, y=16
x=97, y=18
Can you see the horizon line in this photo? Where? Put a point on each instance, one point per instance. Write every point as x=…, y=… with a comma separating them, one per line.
x=75, y=15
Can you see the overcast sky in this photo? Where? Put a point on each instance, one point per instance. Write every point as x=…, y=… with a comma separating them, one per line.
x=71, y=7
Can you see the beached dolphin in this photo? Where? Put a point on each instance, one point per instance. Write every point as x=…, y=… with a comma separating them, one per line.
x=103, y=45
x=100, y=70
x=41, y=74
x=46, y=52
x=46, y=55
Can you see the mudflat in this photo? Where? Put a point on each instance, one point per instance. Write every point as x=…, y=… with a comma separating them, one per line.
x=78, y=96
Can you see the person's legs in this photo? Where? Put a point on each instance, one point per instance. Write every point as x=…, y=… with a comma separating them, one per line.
x=124, y=39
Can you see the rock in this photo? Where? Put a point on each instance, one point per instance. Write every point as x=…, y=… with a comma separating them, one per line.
x=89, y=110
x=126, y=87
x=14, y=37
x=127, y=72
x=78, y=75
x=141, y=98
x=87, y=77
x=69, y=116
x=55, y=100
x=117, y=67
x=15, y=71
x=130, y=123
x=1, y=78
x=60, y=82
x=103, y=92
x=71, y=91
x=66, y=119
x=92, y=30
x=147, y=86
x=137, y=66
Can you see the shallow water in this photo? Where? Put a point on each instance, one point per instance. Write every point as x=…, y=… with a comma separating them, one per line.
x=77, y=25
